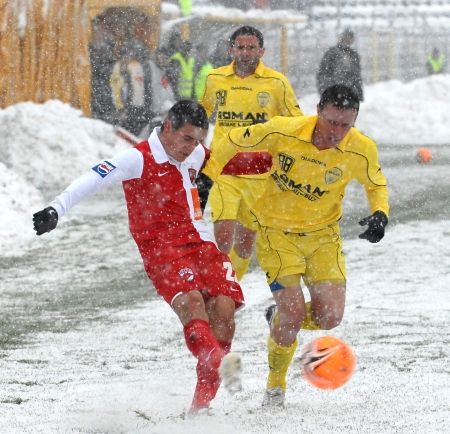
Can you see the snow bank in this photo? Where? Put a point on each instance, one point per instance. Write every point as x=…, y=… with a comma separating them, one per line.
x=43, y=148
x=396, y=113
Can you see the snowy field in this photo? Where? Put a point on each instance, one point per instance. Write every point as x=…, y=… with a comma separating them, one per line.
x=86, y=347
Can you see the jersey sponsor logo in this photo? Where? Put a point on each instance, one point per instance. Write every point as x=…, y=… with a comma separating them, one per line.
x=332, y=175
x=286, y=161
x=221, y=96
x=162, y=173
x=240, y=119
x=308, y=191
x=104, y=168
x=263, y=98
x=241, y=88
x=186, y=273
x=313, y=160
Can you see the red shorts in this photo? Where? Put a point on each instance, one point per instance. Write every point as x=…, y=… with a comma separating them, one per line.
x=204, y=267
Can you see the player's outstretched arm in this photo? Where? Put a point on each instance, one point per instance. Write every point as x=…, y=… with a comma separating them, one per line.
x=45, y=220
x=125, y=165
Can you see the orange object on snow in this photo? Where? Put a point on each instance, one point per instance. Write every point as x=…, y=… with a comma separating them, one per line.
x=423, y=155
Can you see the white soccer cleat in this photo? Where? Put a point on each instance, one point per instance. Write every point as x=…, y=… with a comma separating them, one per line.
x=230, y=372
x=274, y=398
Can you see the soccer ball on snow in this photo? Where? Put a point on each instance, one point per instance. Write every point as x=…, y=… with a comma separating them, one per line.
x=327, y=362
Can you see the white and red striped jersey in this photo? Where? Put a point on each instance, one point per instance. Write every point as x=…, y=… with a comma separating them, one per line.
x=161, y=195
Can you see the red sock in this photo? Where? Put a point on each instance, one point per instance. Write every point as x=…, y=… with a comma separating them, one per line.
x=204, y=346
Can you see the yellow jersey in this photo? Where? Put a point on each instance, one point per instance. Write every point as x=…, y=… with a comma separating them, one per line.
x=306, y=186
x=240, y=102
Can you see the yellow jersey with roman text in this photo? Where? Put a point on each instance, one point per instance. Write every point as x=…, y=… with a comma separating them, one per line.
x=306, y=186
x=240, y=102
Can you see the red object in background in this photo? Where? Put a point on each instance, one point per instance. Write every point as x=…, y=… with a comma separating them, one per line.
x=261, y=4
x=164, y=82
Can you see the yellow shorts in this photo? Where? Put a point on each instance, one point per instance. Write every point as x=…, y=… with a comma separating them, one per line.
x=316, y=256
x=231, y=197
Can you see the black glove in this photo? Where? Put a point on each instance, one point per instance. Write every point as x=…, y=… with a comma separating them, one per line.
x=376, y=224
x=45, y=220
x=204, y=184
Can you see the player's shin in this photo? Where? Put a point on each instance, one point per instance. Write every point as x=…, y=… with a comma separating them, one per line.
x=209, y=353
x=279, y=358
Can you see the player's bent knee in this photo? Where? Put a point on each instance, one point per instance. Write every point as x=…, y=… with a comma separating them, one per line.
x=189, y=306
x=224, y=307
x=328, y=318
x=292, y=320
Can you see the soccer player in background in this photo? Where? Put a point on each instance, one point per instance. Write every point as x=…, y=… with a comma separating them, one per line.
x=243, y=93
x=314, y=159
x=177, y=248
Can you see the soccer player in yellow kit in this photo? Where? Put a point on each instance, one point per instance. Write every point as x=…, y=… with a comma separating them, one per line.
x=314, y=158
x=242, y=93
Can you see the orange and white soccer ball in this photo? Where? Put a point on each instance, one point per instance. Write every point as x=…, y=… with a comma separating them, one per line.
x=327, y=362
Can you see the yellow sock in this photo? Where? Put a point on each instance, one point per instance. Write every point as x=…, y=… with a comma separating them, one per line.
x=240, y=265
x=279, y=360
x=308, y=323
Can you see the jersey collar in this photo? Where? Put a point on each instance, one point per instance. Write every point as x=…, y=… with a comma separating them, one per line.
x=259, y=71
x=158, y=151
x=308, y=130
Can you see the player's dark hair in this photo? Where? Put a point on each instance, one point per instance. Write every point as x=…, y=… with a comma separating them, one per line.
x=341, y=96
x=187, y=111
x=248, y=31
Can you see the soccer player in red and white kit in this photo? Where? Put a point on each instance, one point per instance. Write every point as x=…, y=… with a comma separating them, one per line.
x=175, y=242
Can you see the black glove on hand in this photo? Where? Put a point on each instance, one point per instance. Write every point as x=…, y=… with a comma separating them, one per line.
x=376, y=224
x=204, y=184
x=45, y=220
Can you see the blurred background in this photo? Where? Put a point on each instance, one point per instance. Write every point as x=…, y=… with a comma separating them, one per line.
x=113, y=59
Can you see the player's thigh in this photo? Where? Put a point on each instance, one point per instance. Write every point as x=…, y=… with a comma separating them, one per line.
x=290, y=301
x=328, y=303
x=278, y=254
x=175, y=277
x=325, y=260
x=218, y=275
x=224, y=199
x=325, y=277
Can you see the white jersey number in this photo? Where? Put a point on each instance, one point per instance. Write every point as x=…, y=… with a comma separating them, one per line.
x=231, y=276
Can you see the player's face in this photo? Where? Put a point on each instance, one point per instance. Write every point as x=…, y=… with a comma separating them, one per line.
x=246, y=52
x=332, y=126
x=180, y=143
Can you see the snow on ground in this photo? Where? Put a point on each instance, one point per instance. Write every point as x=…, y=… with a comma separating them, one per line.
x=133, y=374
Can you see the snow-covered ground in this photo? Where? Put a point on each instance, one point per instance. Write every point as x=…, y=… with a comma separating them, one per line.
x=85, y=346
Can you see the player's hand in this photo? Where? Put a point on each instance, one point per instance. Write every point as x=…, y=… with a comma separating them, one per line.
x=45, y=220
x=376, y=224
x=204, y=184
